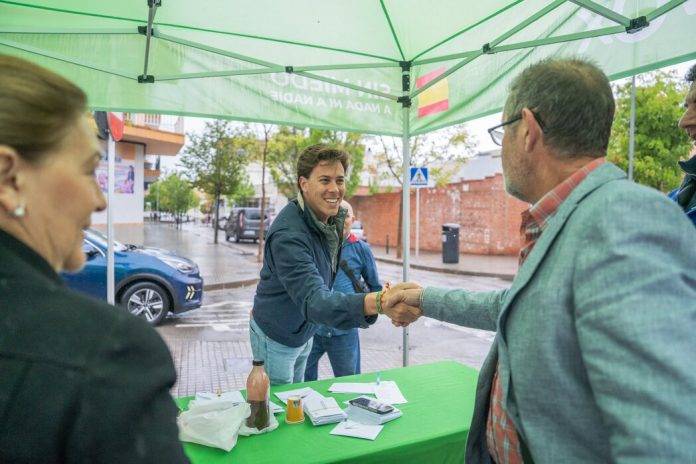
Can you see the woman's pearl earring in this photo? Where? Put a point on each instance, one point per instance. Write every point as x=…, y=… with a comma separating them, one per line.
x=19, y=211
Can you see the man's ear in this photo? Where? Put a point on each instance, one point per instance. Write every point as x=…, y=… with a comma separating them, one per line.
x=9, y=184
x=303, y=184
x=533, y=133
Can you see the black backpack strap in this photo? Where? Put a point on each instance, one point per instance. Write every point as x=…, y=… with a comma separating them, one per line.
x=357, y=285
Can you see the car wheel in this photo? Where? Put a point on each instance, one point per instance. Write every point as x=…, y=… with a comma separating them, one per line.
x=147, y=300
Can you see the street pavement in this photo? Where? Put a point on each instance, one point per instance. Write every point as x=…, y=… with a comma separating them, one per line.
x=210, y=345
x=503, y=267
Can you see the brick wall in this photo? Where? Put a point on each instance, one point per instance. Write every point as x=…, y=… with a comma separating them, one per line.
x=489, y=217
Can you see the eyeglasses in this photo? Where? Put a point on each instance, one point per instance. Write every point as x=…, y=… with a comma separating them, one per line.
x=497, y=132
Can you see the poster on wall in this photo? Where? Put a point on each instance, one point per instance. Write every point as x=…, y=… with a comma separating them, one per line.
x=124, y=177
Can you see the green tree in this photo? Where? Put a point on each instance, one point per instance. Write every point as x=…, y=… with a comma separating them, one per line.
x=206, y=206
x=214, y=161
x=152, y=195
x=443, y=152
x=244, y=192
x=285, y=146
x=351, y=143
x=175, y=196
x=659, y=143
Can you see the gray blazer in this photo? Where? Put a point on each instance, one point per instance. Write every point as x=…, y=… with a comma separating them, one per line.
x=596, y=338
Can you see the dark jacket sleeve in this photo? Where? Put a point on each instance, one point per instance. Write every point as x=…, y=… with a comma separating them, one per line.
x=126, y=412
x=293, y=263
x=369, y=268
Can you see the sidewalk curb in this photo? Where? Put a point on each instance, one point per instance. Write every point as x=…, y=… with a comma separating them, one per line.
x=232, y=284
x=421, y=267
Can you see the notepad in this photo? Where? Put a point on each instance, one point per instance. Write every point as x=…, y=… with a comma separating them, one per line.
x=322, y=410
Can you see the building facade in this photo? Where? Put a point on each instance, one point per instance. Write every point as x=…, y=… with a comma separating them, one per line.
x=145, y=138
x=475, y=199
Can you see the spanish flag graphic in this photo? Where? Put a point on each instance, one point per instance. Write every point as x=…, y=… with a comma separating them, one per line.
x=436, y=98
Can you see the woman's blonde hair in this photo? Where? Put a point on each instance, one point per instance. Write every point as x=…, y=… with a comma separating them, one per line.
x=37, y=107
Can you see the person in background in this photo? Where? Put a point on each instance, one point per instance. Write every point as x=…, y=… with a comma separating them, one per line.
x=593, y=355
x=80, y=380
x=357, y=274
x=685, y=195
x=300, y=262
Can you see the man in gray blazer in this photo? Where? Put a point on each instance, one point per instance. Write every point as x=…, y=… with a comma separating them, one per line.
x=593, y=359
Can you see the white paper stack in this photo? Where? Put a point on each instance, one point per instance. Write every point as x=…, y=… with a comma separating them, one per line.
x=322, y=410
x=301, y=392
x=365, y=416
x=275, y=409
x=386, y=391
x=346, y=387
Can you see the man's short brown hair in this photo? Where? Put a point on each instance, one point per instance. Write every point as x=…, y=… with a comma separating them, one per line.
x=315, y=154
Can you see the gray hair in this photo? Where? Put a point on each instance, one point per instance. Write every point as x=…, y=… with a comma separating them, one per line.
x=572, y=98
x=691, y=75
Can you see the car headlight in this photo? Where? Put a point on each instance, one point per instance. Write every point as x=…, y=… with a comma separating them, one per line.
x=180, y=266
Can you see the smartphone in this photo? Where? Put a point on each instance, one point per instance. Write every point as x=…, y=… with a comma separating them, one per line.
x=371, y=405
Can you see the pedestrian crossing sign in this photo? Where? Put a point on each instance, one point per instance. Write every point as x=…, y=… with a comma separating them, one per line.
x=419, y=176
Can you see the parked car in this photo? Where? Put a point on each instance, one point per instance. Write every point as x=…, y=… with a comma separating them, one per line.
x=358, y=231
x=243, y=224
x=149, y=282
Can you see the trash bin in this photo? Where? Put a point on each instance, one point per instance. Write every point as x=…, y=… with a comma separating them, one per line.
x=450, y=243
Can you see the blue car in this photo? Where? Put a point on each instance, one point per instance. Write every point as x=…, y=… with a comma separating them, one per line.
x=149, y=282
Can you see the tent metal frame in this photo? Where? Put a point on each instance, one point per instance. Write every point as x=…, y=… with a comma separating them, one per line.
x=152, y=30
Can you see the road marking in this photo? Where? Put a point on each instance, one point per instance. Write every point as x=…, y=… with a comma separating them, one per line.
x=213, y=325
x=223, y=303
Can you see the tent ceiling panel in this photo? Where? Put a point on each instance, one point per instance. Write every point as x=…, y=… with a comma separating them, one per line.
x=420, y=29
x=282, y=54
x=228, y=59
x=18, y=15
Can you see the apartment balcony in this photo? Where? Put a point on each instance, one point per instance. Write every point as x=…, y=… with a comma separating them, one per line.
x=151, y=175
x=160, y=134
x=160, y=122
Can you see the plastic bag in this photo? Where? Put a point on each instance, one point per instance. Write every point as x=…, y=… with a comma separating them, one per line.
x=272, y=425
x=213, y=423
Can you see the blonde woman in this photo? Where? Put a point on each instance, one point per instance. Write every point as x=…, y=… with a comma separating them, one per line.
x=80, y=381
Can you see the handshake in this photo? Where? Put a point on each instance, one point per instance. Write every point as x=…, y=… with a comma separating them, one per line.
x=401, y=303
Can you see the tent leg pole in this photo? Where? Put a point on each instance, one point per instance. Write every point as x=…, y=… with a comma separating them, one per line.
x=632, y=129
x=110, y=263
x=152, y=9
x=405, y=192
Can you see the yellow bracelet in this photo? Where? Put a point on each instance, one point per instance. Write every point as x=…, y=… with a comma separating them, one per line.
x=378, y=302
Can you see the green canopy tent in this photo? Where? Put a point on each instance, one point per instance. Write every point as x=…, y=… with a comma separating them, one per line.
x=392, y=67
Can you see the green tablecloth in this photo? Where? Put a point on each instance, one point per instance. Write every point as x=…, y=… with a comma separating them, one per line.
x=433, y=427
